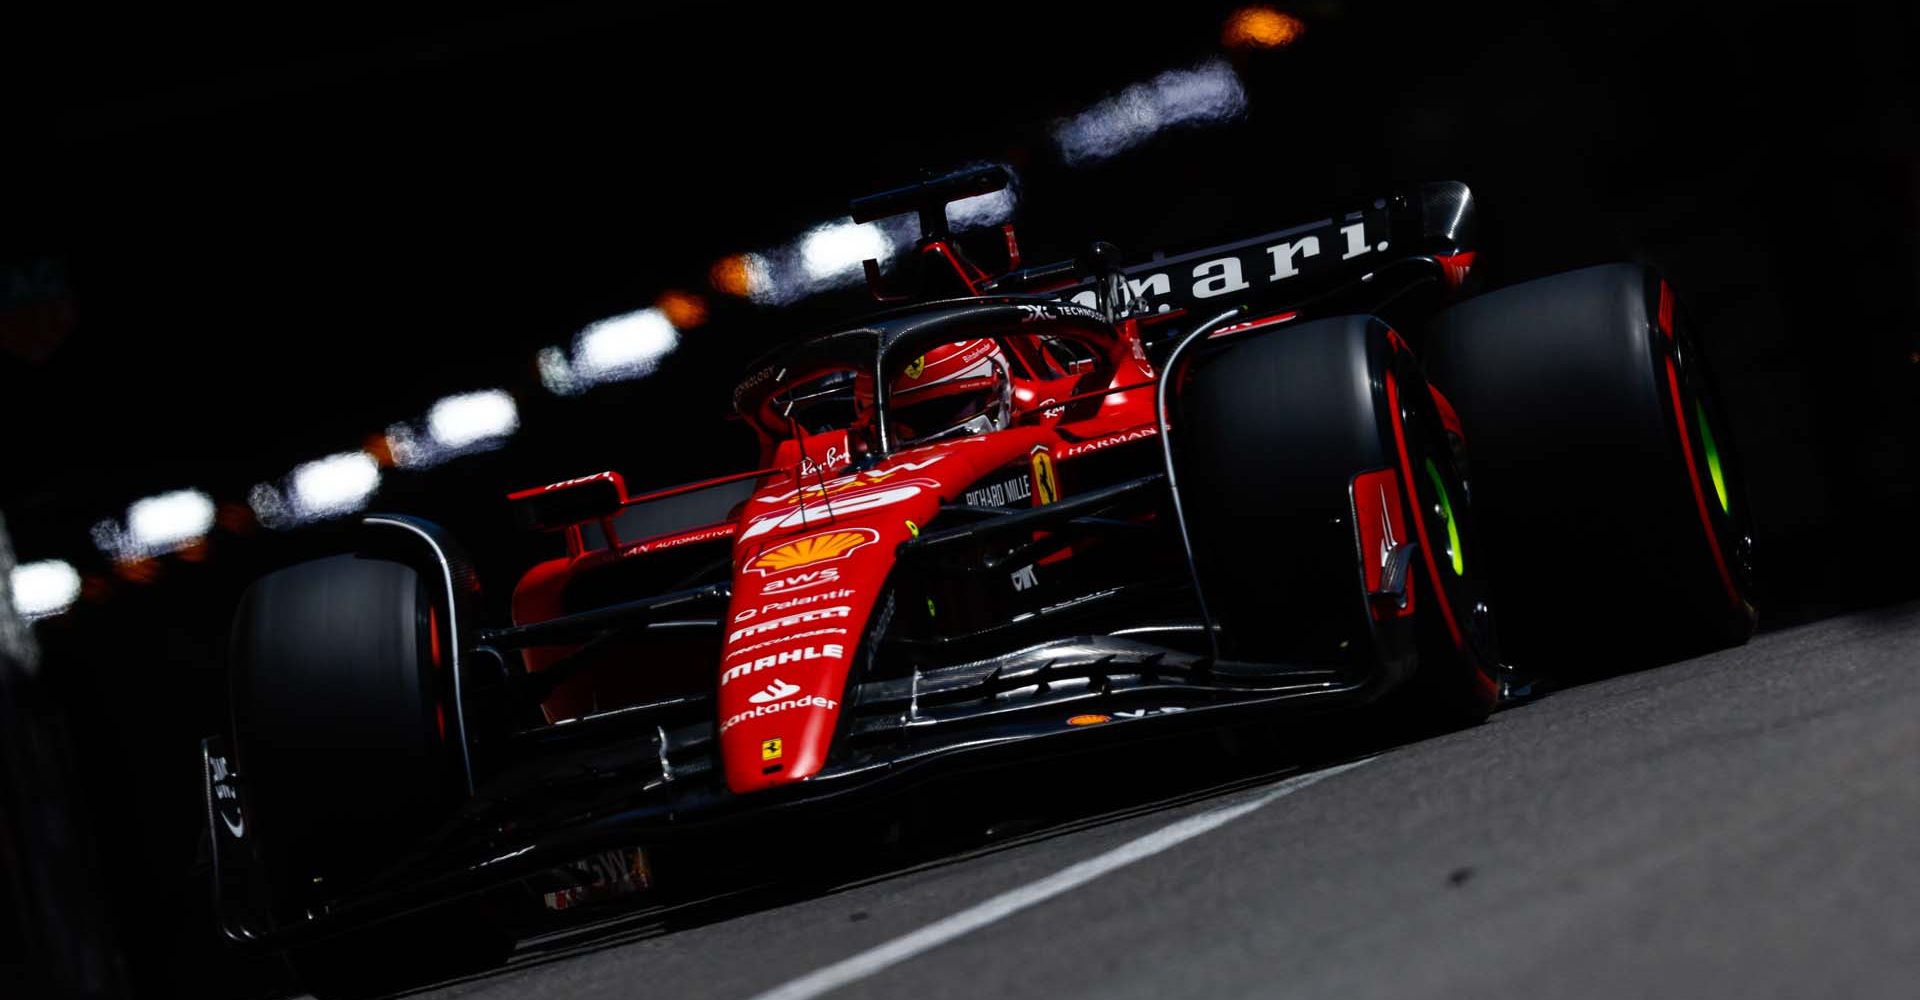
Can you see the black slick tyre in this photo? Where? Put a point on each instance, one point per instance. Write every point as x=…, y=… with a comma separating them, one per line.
x=1608, y=488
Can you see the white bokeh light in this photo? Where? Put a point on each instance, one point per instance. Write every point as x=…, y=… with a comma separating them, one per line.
x=472, y=417
x=836, y=249
x=623, y=347
x=44, y=588
x=337, y=484
x=1207, y=94
x=168, y=521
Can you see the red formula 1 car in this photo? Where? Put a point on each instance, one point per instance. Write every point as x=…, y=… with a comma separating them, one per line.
x=1038, y=507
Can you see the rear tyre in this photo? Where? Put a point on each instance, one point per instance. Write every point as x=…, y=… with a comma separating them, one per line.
x=1292, y=446
x=1610, y=495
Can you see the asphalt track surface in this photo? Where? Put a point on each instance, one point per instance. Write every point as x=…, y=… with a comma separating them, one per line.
x=1745, y=824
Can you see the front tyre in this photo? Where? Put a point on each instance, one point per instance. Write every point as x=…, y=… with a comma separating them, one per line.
x=1330, y=522
x=343, y=720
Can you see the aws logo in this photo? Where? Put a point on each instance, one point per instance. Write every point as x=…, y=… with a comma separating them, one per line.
x=827, y=546
x=802, y=580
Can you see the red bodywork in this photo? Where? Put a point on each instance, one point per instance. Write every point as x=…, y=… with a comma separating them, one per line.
x=813, y=545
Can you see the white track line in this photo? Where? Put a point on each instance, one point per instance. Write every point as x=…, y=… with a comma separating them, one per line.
x=1006, y=904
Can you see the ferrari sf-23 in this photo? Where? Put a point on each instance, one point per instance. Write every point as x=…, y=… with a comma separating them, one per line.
x=1020, y=511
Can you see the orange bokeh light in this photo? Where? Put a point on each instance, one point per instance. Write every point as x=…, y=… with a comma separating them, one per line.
x=684, y=310
x=732, y=276
x=1262, y=28
x=234, y=517
x=138, y=570
x=380, y=448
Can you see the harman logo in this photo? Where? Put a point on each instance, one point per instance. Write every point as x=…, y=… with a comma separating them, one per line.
x=1102, y=444
x=828, y=546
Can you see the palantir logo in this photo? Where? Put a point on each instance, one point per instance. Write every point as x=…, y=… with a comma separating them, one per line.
x=777, y=690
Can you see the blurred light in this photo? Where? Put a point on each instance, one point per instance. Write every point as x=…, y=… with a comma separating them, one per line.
x=111, y=539
x=470, y=418
x=95, y=589
x=1261, y=28
x=142, y=570
x=556, y=372
x=782, y=279
x=742, y=275
x=836, y=249
x=166, y=522
x=44, y=588
x=235, y=517
x=269, y=507
x=337, y=484
x=684, y=310
x=407, y=449
x=623, y=347
x=380, y=448
x=982, y=210
x=1207, y=94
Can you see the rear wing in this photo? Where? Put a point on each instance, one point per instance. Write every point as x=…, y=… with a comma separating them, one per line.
x=1286, y=266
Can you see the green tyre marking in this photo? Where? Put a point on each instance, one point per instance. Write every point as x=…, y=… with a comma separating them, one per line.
x=1453, y=527
x=1713, y=456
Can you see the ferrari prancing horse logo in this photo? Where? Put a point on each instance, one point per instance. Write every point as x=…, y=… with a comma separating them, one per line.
x=1045, y=489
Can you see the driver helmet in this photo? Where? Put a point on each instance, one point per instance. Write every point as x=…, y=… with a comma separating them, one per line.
x=954, y=388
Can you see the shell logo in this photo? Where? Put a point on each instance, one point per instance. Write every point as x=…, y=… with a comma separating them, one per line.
x=824, y=547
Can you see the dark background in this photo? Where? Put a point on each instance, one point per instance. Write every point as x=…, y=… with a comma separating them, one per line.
x=253, y=240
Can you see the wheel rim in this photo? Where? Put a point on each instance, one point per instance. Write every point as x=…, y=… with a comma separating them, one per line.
x=1714, y=466
x=1712, y=449
x=1430, y=480
x=1456, y=553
